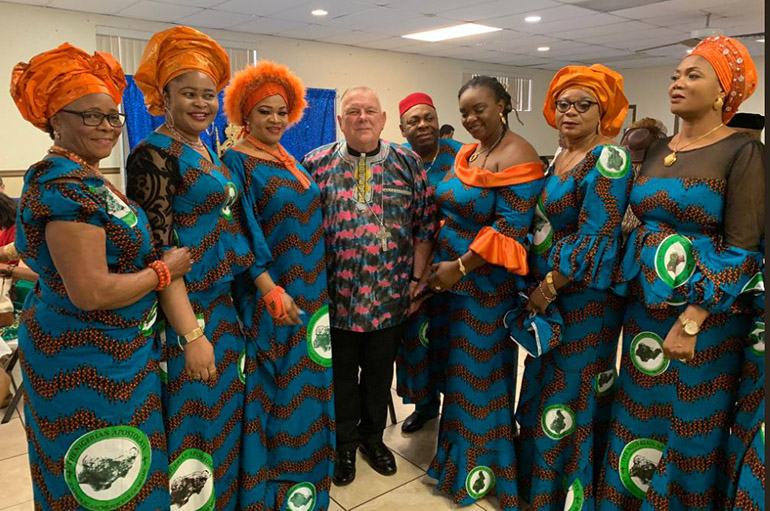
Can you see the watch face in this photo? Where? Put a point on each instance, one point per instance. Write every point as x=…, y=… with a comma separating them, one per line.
x=691, y=328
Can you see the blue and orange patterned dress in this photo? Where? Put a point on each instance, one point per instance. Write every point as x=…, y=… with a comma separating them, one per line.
x=194, y=203
x=702, y=219
x=478, y=377
x=566, y=391
x=288, y=368
x=416, y=381
x=92, y=379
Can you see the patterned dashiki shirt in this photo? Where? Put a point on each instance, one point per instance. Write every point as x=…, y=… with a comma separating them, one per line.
x=376, y=207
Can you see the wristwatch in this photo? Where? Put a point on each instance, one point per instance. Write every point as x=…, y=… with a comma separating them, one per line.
x=691, y=327
x=184, y=340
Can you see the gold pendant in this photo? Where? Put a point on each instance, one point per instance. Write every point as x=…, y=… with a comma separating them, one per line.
x=473, y=157
x=670, y=159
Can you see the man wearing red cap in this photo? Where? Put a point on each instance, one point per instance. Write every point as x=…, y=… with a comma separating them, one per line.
x=416, y=370
x=379, y=222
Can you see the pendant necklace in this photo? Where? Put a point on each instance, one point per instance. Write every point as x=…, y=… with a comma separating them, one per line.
x=477, y=153
x=671, y=158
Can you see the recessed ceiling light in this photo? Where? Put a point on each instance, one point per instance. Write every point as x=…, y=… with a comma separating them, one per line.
x=319, y=12
x=761, y=40
x=543, y=48
x=442, y=34
x=532, y=19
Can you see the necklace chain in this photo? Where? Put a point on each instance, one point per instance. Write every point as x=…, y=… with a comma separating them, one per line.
x=671, y=158
x=581, y=155
x=477, y=153
x=198, y=144
x=55, y=149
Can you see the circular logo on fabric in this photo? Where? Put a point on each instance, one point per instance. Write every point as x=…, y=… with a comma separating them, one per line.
x=231, y=191
x=755, y=285
x=604, y=381
x=242, y=366
x=676, y=302
x=479, y=481
x=423, y=333
x=163, y=366
x=638, y=463
x=647, y=353
x=613, y=162
x=319, y=338
x=115, y=205
x=542, y=231
x=674, y=262
x=191, y=481
x=558, y=421
x=575, y=497
x=106, y=468
x=146, y=327
x=757, y=335
x=301, y=497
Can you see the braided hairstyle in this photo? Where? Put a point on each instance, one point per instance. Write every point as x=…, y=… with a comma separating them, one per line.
x=491, y=83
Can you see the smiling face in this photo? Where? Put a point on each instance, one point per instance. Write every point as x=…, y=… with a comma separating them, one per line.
x=362, y=119
x=694, y=88
x=268, y=119
x=419, y=126
x=191, y=100
x=480, y=112
x=573, y=124
x=92, y=143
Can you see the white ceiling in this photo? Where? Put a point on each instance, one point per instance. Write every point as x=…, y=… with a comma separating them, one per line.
x=578, y=31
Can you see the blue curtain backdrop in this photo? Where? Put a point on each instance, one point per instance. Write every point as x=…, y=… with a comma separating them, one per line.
x=315, y=129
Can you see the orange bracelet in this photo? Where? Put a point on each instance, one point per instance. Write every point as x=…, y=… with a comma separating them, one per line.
x=275, y=304
x=163, y=273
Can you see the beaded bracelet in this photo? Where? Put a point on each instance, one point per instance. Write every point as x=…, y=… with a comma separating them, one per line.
x=163, y=273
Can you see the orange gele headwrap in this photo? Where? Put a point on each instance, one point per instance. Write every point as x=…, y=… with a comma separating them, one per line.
x=255, y=83
x=605, y=84
x=734, y=67
x=56, y=78
x=172, y=53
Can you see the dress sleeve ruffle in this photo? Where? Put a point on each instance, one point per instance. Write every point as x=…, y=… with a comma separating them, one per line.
x=585, y=258
x=497, y=248
x=719, y=279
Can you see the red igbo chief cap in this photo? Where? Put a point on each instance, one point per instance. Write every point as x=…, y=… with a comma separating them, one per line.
x=414, y=99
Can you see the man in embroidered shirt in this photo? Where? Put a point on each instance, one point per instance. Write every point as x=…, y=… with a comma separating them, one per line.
x=380, y=218
x=419, y=126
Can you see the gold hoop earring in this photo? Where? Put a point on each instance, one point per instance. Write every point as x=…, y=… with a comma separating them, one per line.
x=718, y=104
x=167, y=115
x=502, y=119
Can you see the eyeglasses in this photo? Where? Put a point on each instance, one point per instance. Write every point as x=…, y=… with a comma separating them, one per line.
x=581, y=105
x=92, y=118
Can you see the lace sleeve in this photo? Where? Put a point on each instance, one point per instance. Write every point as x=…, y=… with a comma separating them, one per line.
x=152, y=181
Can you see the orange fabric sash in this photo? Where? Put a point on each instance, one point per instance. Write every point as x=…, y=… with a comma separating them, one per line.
x=481, y=178
x=281, y=155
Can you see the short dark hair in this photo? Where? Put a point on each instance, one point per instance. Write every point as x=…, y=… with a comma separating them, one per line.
x=446, y=129
x=7, y=211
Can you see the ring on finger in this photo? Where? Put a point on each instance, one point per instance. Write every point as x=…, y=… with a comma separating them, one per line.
x=196, y=376
x=438, y=288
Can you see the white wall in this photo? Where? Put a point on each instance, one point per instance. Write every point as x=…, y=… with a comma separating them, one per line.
x=26, y=31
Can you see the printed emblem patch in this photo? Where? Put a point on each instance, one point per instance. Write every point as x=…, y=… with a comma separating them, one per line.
x=423, y=333
x=604, y=381
x=115, y=205
x=558, y=421
x=757, y=336
x=301, y=497
x=575, y=497
x=638, y=463
x=319, y=338
x=106, y=468
x=542, y=231
x=647, y=353
x=479, y=481
x=613, y=162
x=755, y=285
x=674, y=262
x=191, y=482
x=146, y=327
x=242, y=366
x=232, y=195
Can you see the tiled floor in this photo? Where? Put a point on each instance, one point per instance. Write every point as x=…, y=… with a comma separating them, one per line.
x=409, y=489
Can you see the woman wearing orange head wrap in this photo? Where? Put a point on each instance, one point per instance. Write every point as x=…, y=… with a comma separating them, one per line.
x=91, y=370
x=690, y=269
x=191, y=198
x=285, y=313
x=564, y=403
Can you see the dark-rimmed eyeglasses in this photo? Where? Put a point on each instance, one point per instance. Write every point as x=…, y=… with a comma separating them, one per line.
x=92, y=118
x=581, y=105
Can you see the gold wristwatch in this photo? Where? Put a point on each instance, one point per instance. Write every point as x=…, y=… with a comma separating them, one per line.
x=189, y=337
x=691, y=327
x=550, y=284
